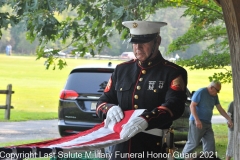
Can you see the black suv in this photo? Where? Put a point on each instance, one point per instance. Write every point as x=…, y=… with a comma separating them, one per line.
x=78, y=99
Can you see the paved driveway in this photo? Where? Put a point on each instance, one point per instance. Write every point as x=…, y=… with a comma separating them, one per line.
x=219, y=119
x=42, y=130
x=28, y=130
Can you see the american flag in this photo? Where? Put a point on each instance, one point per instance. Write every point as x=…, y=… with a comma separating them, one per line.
x=93, y=139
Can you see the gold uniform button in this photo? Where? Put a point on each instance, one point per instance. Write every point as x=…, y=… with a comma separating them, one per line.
x=144, y=72
x=147, y=116
x=120, y=89
x=140, y=79
x=155, y=90
x=138, y=87
x=139, y=63
x=158, y=143
x=153, y=112
x=136, y=96
x=136, y=106
x=149, y=63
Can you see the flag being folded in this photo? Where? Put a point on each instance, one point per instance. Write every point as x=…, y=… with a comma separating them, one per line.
x=95, y=138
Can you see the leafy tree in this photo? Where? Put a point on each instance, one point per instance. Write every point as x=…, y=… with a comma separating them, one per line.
x=94, y=23
x=207, y=24
x=89, y=31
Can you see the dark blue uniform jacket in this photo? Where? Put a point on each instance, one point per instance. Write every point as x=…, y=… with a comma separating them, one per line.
x=159, y=86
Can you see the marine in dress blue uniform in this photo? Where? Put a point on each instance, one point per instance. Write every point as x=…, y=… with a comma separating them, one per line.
x=153, y=84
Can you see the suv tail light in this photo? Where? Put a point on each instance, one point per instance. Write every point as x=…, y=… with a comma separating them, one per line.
x=68, y=94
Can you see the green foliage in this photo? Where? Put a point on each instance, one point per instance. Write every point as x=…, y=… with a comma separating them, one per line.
x=207, y=24
x=207, y=61
x=6, y=18
x=91, y=28
x=197, y=34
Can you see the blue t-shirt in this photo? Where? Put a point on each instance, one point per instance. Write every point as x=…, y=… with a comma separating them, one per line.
x=205, y=104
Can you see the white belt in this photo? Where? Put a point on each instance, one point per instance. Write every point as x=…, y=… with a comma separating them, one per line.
x=155, y=131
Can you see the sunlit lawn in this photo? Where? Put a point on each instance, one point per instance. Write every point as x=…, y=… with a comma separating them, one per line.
x=37, y=90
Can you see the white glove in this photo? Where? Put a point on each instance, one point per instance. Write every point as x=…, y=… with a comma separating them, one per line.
x=133, y=127
x=114, y=115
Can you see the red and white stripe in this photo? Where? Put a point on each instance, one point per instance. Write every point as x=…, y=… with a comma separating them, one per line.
x=96, y=138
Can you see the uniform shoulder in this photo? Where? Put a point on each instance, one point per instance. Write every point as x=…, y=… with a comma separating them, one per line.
x=172, y=65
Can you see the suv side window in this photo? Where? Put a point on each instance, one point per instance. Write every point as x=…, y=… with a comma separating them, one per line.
x=87, y=82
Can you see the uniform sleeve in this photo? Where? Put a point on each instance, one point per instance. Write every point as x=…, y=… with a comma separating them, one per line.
x=108, y=99
x=174, y=104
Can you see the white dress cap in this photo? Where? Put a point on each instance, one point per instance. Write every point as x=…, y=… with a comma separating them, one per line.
x=144, y=27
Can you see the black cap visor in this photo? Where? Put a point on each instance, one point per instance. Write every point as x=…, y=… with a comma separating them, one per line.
x=142, y=38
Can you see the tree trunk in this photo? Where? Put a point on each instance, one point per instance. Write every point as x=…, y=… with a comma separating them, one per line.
x=231, y=12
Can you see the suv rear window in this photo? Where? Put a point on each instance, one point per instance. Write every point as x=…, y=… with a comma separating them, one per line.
x=87, y=82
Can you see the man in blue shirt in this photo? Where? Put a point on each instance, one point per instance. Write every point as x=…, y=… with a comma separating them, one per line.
x=200, y=126
x=8, y=50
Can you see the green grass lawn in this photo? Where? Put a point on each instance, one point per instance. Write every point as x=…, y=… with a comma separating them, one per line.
x=37, y=90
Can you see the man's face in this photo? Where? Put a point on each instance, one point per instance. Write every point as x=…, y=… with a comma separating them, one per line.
x=215, y=89
x=143, y=50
